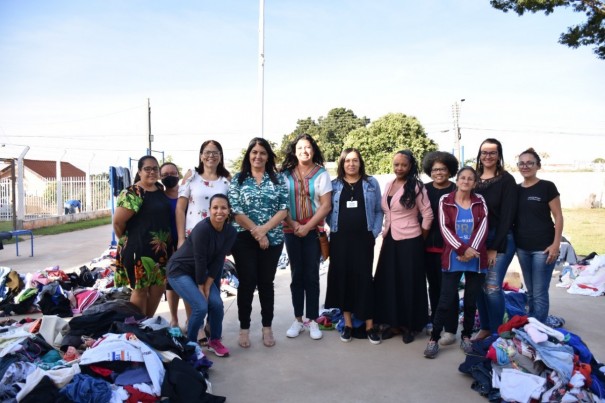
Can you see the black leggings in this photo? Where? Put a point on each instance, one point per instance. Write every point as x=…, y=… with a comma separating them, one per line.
x=447, y=309
x=255, y=268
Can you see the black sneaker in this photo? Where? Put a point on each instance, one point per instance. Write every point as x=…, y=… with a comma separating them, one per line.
x=346, y=334
x=373, y=336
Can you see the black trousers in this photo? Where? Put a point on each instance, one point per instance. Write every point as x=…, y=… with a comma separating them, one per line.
x=447, y=309
x=432, y=263
x=255, y=268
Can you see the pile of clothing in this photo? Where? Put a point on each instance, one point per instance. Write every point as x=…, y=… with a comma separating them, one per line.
x=585, y=278
x=107, y=352
x=111, y=353
x=530, y=361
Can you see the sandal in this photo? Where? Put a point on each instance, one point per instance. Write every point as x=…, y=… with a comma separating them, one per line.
x=244, y=338
x=268, y=339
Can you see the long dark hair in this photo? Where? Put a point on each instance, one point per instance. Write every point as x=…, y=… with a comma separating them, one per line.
x=413, y=185
x=246, y=169
x=340, y=171
x=290, y=161
x=499, y=163
x=220, y=168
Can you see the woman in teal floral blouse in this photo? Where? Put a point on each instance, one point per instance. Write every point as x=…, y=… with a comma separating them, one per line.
x=259, y=200
x=142, y=222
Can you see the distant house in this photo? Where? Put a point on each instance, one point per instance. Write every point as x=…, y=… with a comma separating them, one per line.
x=36, y=173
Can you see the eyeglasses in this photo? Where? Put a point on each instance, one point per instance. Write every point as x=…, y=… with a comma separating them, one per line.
x=528, y=164
x=155, y=169
x=439, y=169
x=211, y=153
x=489, y=153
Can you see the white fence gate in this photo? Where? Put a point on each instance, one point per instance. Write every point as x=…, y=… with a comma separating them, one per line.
x=44, y=204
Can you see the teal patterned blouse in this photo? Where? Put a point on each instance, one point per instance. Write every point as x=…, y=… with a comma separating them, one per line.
x=259, y=202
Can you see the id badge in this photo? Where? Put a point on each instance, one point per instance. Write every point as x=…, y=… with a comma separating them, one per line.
x=352, y=204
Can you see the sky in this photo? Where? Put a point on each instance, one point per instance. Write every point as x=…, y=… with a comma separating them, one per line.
x=75, y=76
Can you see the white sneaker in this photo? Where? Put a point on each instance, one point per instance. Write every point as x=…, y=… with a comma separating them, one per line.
x=314, y=331
x=296, y=329
x=447, y=339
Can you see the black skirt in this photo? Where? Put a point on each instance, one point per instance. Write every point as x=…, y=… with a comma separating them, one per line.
x=350, y=285
x=400, y=284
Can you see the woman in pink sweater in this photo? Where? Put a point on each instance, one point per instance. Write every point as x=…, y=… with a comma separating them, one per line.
x=400, y=283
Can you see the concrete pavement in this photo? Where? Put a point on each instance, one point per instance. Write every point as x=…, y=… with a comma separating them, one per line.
x=302, y=369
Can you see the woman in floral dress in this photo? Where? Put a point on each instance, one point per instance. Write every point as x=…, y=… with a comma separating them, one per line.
x=142, y=222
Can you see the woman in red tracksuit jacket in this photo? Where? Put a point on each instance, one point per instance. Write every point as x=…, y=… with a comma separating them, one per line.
x=463, y=224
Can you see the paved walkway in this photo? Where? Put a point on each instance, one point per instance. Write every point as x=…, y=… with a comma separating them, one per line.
x=303, y=370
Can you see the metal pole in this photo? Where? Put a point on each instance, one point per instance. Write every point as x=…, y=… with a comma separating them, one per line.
x=261, y=65
x=149, y=125
x=456, y=114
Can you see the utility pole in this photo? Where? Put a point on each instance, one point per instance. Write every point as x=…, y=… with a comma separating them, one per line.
x=261, y=65
x=149, y=125
x=456, y=115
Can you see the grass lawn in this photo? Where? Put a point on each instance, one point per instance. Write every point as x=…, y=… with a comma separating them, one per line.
x=61, y=228
x=585, y=229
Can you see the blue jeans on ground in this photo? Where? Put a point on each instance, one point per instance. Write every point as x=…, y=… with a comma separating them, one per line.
x=536, y=275
x=187, y=289
x=491, y=302
x=304, y=254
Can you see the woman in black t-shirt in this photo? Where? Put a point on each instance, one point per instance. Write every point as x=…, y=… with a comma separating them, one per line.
x=536, y=236
x=440, y=166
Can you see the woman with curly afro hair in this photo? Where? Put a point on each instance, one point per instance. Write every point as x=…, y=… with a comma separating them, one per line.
x=440, y=166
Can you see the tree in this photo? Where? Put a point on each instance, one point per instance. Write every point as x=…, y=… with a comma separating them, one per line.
x=334, y=128
x=598, y=161
x=388, y=134
x=591, y=32
x=329, y=132
x=307, y=125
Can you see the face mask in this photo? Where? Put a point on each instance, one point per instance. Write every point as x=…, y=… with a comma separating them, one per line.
x=170, y=181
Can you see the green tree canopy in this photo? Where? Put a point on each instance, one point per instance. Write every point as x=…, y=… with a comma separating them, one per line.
x=334, y=128
x=329, y=132
x=598, y=160
x=387, y=135
x=591, y=32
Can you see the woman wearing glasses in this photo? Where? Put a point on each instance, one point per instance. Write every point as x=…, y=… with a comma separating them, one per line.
x=142, y=222
x=440, y=166
x=198, y=186
x=536, y=236
x=499, y=190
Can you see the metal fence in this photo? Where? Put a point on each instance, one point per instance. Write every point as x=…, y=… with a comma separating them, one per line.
x=42, y=201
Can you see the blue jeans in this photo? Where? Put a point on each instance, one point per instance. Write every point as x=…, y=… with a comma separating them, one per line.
x=536, y=275
x=187, y=289
x=304, y=256
x=491, y=302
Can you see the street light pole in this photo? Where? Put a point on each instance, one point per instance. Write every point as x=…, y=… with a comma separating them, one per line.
x=456, y=115
x=261, y=65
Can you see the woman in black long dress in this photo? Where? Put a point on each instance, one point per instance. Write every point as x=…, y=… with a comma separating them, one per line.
x=355, y=221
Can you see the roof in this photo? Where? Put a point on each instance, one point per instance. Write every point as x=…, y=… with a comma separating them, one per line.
x=48, y=169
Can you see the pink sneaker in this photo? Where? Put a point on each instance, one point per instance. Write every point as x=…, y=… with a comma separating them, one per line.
x=217, y=348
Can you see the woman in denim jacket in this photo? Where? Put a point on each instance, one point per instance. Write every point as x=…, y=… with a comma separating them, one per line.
x=355, y=221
